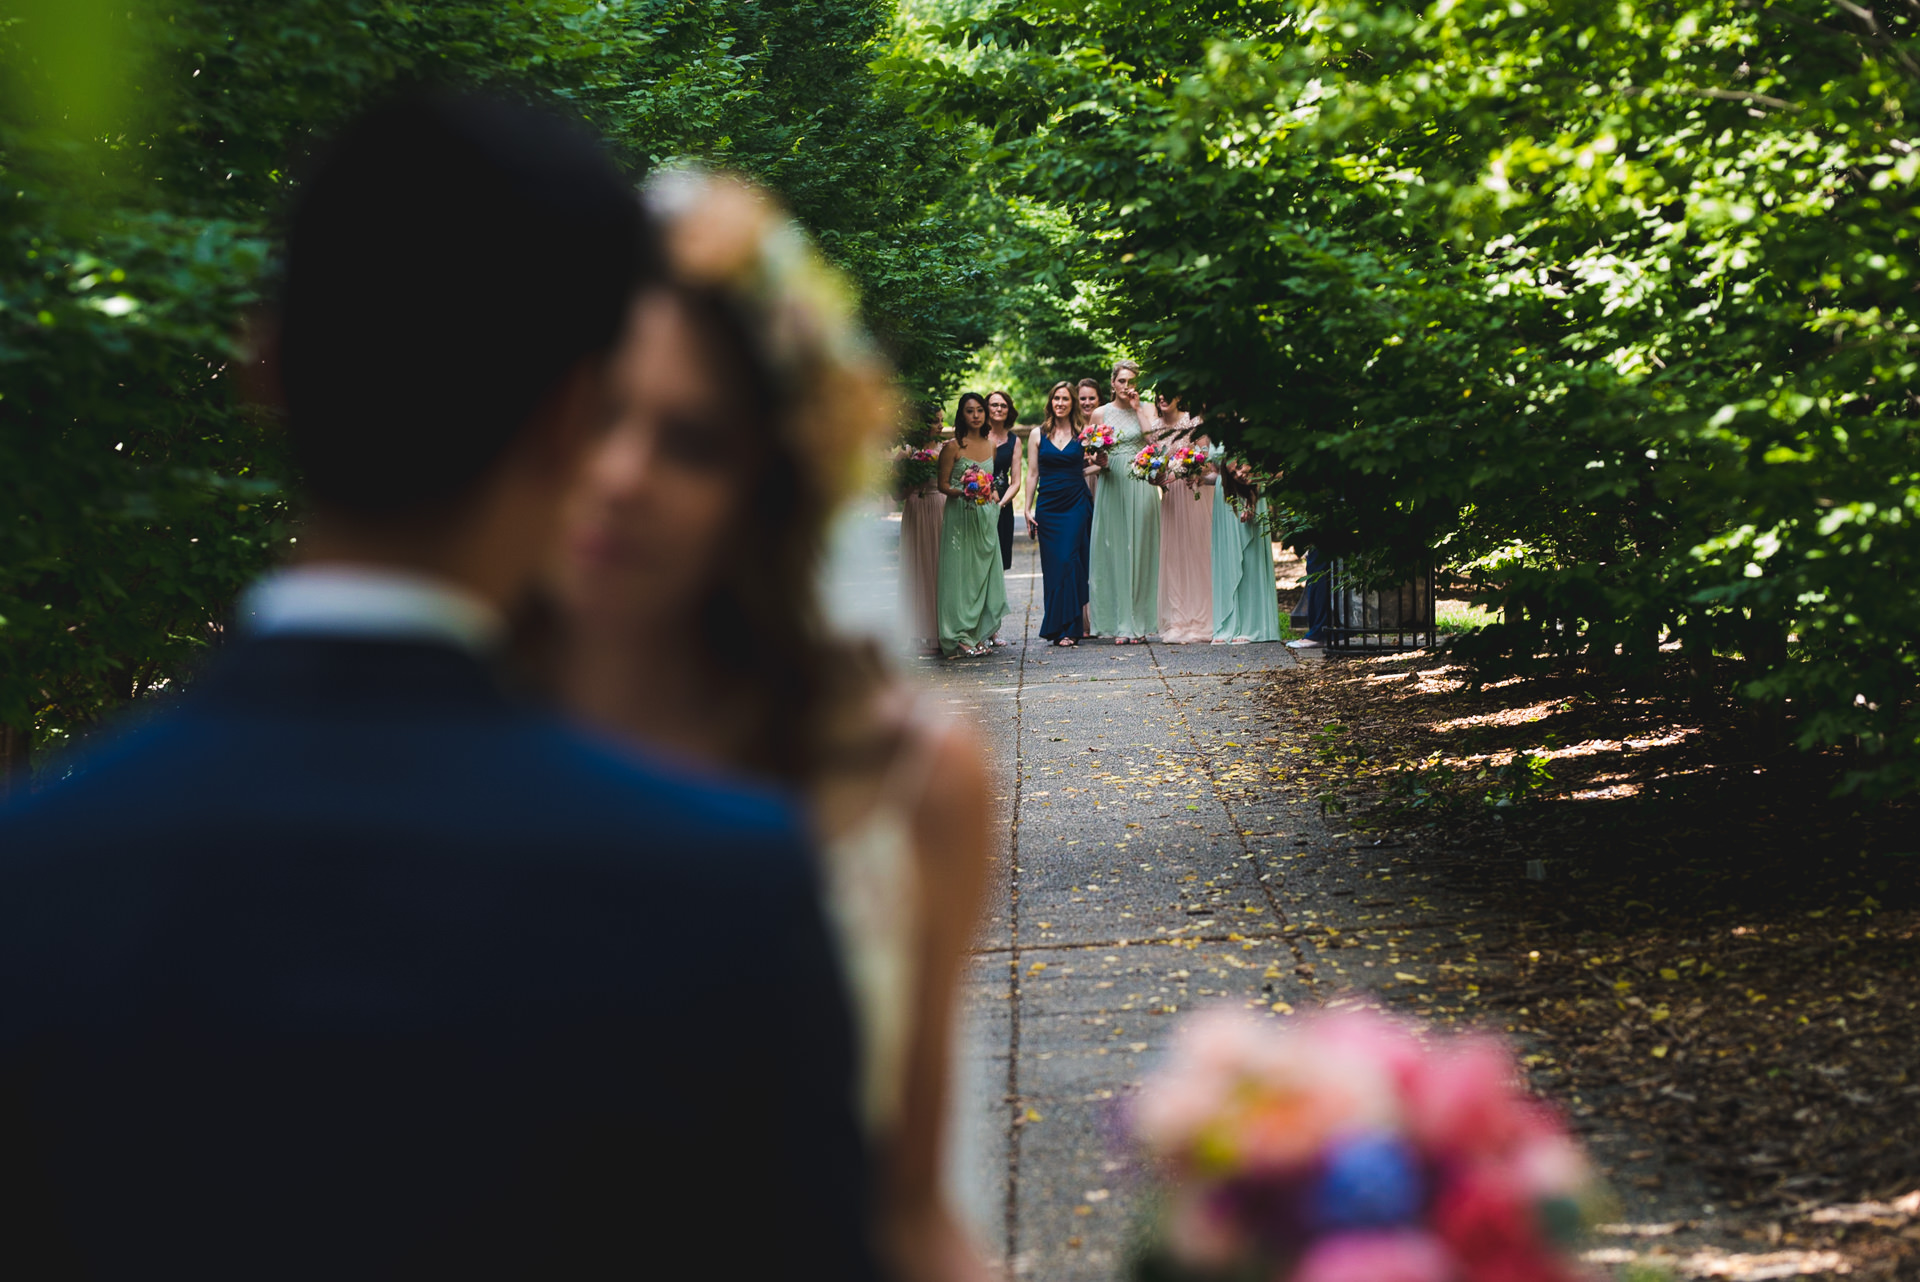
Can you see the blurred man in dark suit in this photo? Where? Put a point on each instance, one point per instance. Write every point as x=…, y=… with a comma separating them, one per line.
x=345, y=965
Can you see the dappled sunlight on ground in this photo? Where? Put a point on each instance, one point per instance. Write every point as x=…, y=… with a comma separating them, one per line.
x=1500, y=717
x=1711, y=959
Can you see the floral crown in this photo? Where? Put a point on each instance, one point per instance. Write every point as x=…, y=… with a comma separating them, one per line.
x=725, y=233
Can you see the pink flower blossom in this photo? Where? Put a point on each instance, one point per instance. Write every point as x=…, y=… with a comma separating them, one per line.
x=1397, y=1255
x=1464, y=1099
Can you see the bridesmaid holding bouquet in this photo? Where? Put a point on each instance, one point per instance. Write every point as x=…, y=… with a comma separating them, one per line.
x=1246, y=605
x=921, y=508
x=1125, y=565
x=1186, y=531
x=973, y=586
x=1062, y=512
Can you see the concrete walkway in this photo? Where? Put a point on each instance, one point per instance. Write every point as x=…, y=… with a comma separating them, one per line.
x=1162, y=851
x=1138, y=878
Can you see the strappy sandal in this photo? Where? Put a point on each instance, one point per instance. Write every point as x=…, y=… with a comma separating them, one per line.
x=1065, y=643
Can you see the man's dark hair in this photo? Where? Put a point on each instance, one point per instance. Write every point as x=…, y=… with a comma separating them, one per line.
x=449, y=260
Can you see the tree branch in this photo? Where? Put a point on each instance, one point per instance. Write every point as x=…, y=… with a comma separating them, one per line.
x=1726, y=95
x=1878, y=34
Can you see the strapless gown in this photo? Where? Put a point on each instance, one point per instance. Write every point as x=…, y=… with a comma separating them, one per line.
x=1186, y=561
x=973, y=586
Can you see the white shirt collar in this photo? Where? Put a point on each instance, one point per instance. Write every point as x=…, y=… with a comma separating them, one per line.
x=368, y=603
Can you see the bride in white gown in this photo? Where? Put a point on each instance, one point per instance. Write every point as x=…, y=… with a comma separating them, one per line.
x=687, y=616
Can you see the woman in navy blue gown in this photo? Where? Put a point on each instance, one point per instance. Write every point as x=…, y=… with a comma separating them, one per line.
x=1062, y=512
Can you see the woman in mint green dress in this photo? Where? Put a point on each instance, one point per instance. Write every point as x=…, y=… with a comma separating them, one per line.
x=1124, y=566
x=1246, y=606
x=973, y=587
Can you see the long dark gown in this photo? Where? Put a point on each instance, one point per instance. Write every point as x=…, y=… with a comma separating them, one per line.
x=1003, y=475
x=1064, y=510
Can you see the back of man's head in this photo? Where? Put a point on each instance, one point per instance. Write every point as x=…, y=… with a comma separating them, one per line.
x=450, y=260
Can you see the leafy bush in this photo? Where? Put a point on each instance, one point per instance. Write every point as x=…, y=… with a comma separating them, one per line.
x=144, y=157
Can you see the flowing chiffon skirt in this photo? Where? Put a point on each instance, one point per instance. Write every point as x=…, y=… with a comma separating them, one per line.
x=1186, y=563
x=973, y=587
x=1125, y=566
x=920, y=525
x=1246, y=604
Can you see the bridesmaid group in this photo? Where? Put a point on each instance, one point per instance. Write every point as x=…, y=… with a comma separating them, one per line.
x=1120, y=557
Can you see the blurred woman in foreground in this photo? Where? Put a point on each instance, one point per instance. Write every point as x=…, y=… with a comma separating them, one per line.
x=745, y=399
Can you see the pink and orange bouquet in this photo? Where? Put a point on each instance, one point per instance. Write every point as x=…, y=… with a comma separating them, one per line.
x=976, y=485
x=1186, y=463
x=1096, y=438
x=1341, y=1149
x=1150, y=464
x=914, y=466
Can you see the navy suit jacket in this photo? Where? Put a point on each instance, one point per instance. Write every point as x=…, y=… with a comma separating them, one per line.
x=346, y=966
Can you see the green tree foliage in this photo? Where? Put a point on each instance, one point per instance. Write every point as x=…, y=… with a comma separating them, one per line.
x=1611, y=305
x=145, y=152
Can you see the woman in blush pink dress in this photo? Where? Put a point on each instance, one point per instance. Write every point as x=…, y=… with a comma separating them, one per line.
x=1186, y=538
x=922, y=511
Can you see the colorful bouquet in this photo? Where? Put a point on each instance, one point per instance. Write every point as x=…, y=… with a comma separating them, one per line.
x=1341, y=1149
x=1150, y=464
x=976, y=485
x=914, y=466
x=1096, y=438
x=1186, y=463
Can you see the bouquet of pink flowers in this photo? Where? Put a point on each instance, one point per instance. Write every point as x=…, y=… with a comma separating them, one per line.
x=1341, y=1149
x=1185, y=463
x=1150, y=464
x=1097, y=437
x=914, y=466
x=976, y=485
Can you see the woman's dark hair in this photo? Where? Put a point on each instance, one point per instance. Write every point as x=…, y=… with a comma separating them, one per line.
x=1088, y=382
x=960, y=415
x=1013, y=414
x=760, y=622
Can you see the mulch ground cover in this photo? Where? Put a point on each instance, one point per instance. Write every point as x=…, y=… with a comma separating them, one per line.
x=1702, y=942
